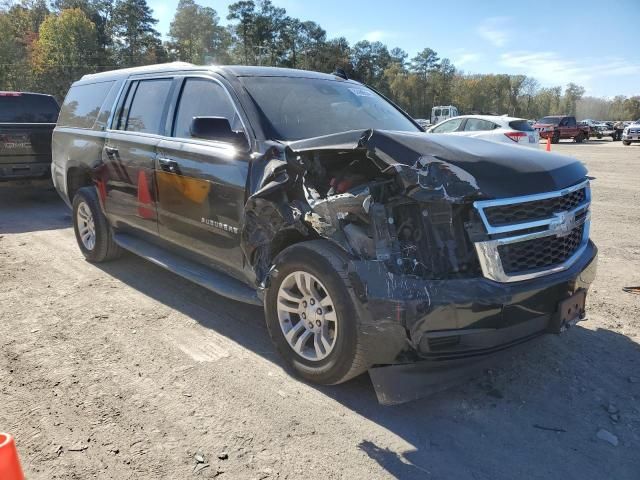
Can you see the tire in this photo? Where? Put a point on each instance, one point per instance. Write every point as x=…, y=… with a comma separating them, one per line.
x=327, y=264
x=88, y=218
x=555, y=138
x=624, y=142
x=579, y=138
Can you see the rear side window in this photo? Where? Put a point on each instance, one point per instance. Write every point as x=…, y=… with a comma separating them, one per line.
x=82, y=105
x=448, y=126
x=27, y=108
x=478, y=125
x=445, y=112
x=521, y=125
x=203, y=98
x=144, y=111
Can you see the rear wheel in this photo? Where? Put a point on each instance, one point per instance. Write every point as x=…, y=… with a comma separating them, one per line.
x=93, y=233
x=310, y=314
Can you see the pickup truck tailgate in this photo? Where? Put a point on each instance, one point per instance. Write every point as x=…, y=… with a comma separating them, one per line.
x=27, y=121
x=25, y=149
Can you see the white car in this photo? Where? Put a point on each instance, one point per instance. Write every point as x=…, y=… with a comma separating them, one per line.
x=509, y=130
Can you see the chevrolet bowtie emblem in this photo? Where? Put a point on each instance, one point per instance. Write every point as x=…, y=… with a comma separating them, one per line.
x=563, y=223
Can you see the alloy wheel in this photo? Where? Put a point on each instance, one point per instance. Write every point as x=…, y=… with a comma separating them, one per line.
x=307, y=316
x=86, y=226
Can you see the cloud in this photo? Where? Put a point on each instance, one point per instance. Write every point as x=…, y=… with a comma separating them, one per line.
x=495, y=30
x=376, y=35
x=552, y=69
x=465, y=58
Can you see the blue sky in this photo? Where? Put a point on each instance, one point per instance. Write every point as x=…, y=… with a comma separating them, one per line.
x=593, y=43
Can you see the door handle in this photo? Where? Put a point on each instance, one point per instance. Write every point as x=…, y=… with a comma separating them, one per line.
x=111, y=151
x=169, y=165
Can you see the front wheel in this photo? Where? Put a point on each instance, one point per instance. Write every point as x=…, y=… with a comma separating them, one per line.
x=624, y=142
x=92, y=229
x=580, y=138
x=555, y=138
x=311, y=316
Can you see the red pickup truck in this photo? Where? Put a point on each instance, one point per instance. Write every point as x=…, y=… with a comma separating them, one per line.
x=561, y=126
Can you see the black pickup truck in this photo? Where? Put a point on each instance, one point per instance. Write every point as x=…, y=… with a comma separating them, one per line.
x=369, y=244
x=27, y=121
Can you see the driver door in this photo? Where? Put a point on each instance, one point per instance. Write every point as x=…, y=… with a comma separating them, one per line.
x=201, y=183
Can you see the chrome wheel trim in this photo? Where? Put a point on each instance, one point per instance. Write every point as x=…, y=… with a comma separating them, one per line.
x=307, y=316
x=86, y=226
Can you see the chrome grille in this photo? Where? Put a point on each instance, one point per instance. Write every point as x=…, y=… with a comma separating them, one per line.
x=536, y=210
x=538, y=253
x=534, y=235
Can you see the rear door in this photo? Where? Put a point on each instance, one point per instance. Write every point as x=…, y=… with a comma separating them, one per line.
x=130, y=151
x=201, y=183
x=26, y=124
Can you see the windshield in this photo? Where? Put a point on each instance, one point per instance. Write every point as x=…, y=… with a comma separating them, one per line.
x=550, y=120
x=296, y=108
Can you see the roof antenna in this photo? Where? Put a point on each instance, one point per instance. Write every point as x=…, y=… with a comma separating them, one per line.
x=339, y=72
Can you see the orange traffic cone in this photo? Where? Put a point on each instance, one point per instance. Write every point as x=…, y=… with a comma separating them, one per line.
x=9, y=462
x=144, y=197
x=548, y=144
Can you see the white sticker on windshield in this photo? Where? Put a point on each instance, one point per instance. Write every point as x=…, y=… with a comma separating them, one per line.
x=361, y=92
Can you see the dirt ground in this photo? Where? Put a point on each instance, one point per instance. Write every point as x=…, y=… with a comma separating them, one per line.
x=126, y=371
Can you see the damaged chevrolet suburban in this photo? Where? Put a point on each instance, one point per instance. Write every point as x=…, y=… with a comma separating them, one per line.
x=371, y=245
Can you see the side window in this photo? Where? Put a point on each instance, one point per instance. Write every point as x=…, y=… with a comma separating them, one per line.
x=82, y=105
x=478, y=125
x=448, y=126
x=107, y=107
x=203, y=98
x=564, y=122
x=445, y=112
x=571, y=122
x=144, y=106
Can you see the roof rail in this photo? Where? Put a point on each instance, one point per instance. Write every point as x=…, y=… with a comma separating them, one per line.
x=141, y=69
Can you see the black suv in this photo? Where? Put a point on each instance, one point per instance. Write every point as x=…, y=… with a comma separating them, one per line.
x=26, y=123
x=369, y=243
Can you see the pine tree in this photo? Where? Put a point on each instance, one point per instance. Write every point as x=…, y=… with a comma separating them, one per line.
x=135, y=37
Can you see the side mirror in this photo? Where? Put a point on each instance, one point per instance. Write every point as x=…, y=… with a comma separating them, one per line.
x=216, y=128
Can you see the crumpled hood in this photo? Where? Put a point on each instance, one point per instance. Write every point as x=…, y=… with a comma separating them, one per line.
x=488, y=169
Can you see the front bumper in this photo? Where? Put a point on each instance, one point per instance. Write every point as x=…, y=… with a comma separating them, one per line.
x=635, y=137
x=544, y=134
x=406, y=319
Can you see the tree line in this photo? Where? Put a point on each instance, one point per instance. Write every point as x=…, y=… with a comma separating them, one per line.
x=46, y=46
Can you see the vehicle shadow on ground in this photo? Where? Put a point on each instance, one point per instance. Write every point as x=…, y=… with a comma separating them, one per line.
x=30, y=208
x=492, y=427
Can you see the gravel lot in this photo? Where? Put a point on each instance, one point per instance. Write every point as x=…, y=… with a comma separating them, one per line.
x=127, y=371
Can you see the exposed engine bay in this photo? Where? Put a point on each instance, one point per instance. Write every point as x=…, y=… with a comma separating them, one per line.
x=358, y=205
x=412, y=216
